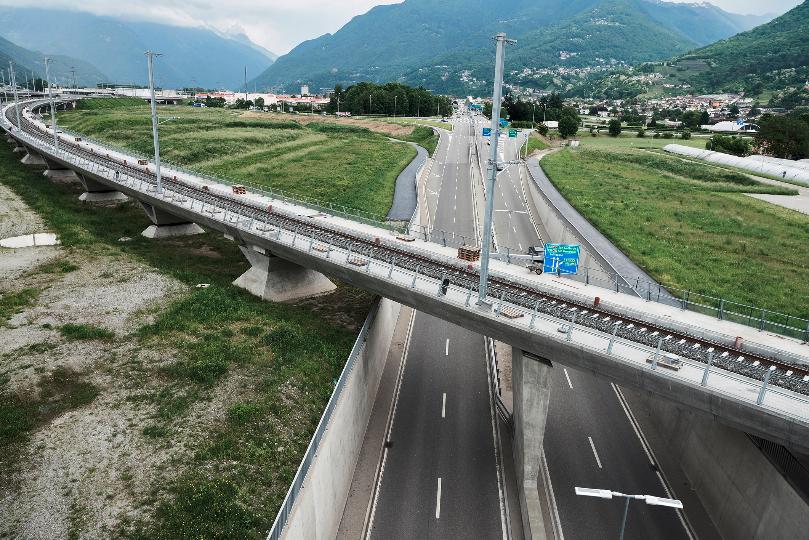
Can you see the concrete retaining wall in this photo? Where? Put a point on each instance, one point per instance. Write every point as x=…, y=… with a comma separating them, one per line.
x=321, y=501
x=741, y=490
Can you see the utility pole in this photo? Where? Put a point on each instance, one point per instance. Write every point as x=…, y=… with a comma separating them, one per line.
x=5, y=94
x=150, y=61
x=14, y=89
x=395, y=98
x=50, y=98
x=487, y=220
x=370, y=103
x=338, y=106
x=245, y=83
x=73, y=71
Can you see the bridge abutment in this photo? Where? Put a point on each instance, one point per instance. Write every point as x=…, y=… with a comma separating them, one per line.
x=165, y=225
x=98, y=193
x=531, y=384
x=278, y=280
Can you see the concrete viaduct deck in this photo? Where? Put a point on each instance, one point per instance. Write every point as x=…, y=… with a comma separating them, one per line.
x=291, y=245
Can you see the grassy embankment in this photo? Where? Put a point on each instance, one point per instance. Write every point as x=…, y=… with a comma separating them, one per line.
x=690, y=225
x=284, y=357
x=346, y=165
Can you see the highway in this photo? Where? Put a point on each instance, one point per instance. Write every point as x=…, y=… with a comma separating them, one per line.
x=589, y=439
x=440, y=478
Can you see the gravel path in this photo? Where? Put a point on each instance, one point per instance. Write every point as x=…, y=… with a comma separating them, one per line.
x=404, y=198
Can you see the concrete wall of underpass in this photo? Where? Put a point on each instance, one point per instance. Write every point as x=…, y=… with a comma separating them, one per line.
x=745, y=496
x=320, y=503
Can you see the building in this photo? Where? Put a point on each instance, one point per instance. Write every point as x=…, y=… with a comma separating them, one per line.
x=304, y=90
x=739, y=126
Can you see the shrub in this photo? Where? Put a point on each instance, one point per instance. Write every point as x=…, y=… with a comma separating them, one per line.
x=641, y=133
x=614, y=127
x=668, y=135
x=686, y=134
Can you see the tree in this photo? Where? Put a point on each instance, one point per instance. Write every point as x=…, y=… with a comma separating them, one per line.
x=260, y=103
x=734, y=110
x=686, y=134
x=736, y=146
x=614, y=127
x=704, y=118
x=785, y=137
x=641, y=133
x=543, y=130
x=568, y=124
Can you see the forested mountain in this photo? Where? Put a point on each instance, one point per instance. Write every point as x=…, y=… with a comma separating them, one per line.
x=773, y=56
x=31, y=65
x=445, y=43
x=190, y=55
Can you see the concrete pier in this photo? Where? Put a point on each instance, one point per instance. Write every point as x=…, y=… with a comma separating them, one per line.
x=531, y=383
x=34, y=159
x=278, y=280
x=59, y=173
x=98, y=193
x=165, y=225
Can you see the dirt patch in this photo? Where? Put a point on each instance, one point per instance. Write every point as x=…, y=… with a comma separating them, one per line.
x=375, y=125
x=16, y=218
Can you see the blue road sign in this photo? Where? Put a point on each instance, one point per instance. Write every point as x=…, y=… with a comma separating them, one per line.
x=487, y=132
x=562, y=259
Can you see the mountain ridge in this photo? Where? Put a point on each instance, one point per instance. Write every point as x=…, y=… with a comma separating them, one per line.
x=191, y=55
x=392, y=42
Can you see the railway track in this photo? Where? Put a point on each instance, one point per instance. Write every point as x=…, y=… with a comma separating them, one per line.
x=792, y=376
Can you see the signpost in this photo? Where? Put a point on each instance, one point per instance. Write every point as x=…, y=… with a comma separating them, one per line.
x=487, y=132
x=562, y=259
x=512, y=133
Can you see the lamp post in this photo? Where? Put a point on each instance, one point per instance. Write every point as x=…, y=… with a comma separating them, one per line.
x=487, y=220
x=3, y=75
x=607, y=494
x=149, y=62
x=395, y=99
x=50, y=99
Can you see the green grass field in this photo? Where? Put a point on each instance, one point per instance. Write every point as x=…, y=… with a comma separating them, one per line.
x=433, y=122
x=344, y=165
x=285, y=358
x=689, y=225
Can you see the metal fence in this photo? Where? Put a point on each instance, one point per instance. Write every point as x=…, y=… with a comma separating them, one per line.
x=303, y=469
x=722, y=309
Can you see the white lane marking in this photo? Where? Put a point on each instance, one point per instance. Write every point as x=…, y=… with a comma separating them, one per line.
x=593, y=446
x=438, y=500
x=652, y=458
x=446, y=348
x=444, y=406
x=570, y=384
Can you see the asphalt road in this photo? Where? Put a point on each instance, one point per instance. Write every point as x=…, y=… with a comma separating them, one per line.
x=440, y=477
x=589, y=439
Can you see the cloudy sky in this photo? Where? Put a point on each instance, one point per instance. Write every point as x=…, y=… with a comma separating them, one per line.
x=279, y=25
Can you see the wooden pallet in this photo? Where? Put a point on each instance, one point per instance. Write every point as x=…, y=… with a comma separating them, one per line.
x=469, y=253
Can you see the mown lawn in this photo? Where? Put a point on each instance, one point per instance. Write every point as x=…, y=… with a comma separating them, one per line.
x=344, y=165
x=285, y=357
x=690, y=225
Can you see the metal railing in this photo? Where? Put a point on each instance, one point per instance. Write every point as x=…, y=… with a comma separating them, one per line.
x=311, y=451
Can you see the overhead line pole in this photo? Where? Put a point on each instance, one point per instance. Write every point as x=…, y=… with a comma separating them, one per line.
x=14, y=89
x=487, y=220
x=5, y=94
x=150, y=61
x=50, y=100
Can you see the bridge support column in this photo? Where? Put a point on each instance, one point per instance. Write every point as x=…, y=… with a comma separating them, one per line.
x=531, y=382
x=98, y=193
x=165, y=225
x=277, y=280
x=34, y=159
x=59, y=173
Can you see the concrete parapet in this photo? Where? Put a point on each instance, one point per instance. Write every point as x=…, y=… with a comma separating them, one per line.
x=531, y=384
x=278, y=280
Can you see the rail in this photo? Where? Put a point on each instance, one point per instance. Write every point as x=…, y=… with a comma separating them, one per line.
x=396, y=265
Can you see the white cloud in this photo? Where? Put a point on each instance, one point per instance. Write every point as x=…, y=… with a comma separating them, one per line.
x=279, y=25
x=275, y=24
